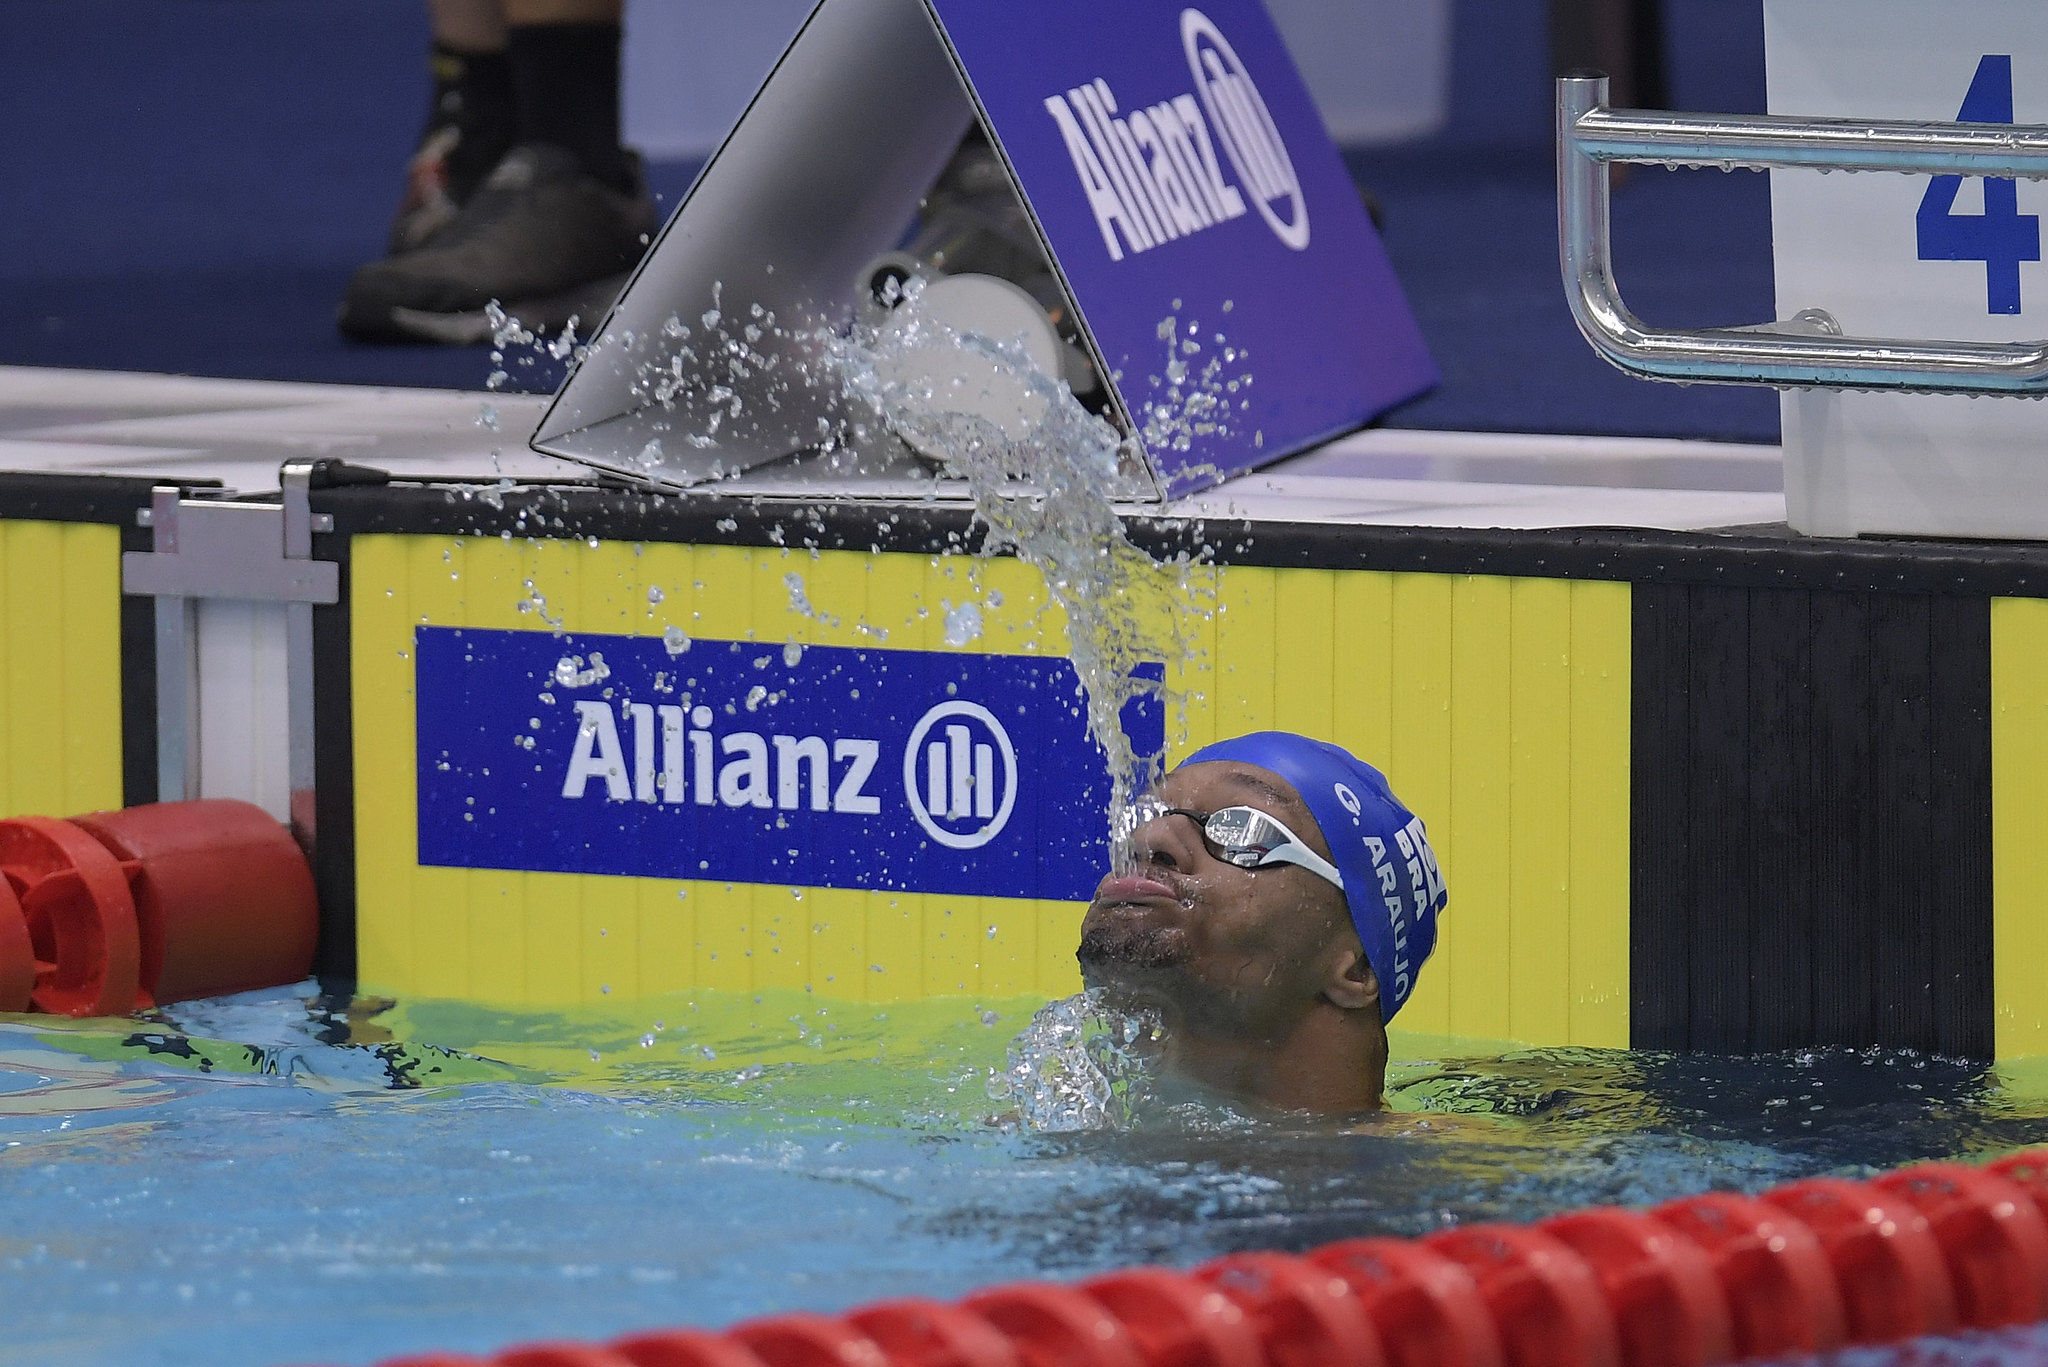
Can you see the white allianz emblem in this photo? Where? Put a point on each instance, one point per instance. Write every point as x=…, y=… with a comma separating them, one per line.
x=1155, y=174
x=1250, y=138
x=960, y=775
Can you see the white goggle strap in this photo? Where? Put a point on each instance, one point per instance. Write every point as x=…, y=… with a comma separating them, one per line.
x=1295, y=852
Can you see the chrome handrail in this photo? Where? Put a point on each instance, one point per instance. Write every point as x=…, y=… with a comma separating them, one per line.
x=1809, y=350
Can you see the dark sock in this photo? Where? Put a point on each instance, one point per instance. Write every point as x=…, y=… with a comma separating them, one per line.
x=473, y=95
x=565, y=85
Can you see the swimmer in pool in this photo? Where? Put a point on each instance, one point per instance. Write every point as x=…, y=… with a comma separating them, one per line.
x=1274, y=901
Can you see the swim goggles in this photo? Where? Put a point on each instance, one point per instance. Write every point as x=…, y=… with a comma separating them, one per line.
x=1244, y=837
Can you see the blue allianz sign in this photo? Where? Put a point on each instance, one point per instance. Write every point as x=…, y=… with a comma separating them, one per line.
x=749, y=763
x=1212, y=238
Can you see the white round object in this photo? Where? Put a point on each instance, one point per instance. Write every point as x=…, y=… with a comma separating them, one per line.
x=956, y=379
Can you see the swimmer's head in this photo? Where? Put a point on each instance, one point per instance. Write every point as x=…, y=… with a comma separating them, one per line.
x=1275, y=901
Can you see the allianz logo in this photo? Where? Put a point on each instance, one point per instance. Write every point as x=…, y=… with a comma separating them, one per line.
x=1152, y=175
x=959, y=767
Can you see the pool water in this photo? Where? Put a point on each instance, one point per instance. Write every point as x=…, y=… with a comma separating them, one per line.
x=282, y=1178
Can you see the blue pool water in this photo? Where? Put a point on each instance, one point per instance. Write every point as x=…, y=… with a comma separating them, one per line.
x=280, y=1179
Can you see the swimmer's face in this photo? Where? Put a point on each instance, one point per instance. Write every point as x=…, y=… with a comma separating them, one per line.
x=1243, y=949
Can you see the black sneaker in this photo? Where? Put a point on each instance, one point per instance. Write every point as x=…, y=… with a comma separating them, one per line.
x=468, y=131
x=541, y=238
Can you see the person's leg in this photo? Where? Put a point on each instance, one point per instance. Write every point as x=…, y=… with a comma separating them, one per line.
x=564, y=59
x=1623, y=38
x=470, y=118
x=468, y=25
x=561, y=216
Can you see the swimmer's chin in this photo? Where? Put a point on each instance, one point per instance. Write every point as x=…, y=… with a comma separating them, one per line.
x=1127, y=939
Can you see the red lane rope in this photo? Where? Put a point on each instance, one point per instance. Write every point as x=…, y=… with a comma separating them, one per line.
x=113, y=912
x=1808, y=1267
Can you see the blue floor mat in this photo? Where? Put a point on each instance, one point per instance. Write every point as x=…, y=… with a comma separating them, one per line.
x=190, y=184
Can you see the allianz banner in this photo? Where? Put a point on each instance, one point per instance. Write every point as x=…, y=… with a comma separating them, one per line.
x=1214, y=241
x=744, y=762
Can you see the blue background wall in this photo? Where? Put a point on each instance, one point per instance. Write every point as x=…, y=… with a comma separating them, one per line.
x=188, y=183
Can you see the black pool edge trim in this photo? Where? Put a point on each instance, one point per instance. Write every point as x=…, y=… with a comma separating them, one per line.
x=1769, y=556
x=1741, y=557
x=334, y=770
x=141, y=781
x=108, y=499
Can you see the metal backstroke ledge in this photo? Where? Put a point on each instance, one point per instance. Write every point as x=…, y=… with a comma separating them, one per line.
x=1809, y=350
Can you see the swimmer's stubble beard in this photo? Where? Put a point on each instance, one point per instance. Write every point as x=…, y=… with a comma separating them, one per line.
x=1207, y=1041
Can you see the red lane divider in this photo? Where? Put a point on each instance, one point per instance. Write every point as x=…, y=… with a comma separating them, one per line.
x=1805, y=1268
x=921, y=1333
x=1660, y=1287
x=80, y=915
x=17, y=951
x=1056, y=1326
x=1890, y=1271
x=1427, y=1309
x=1991, y=1234
x=1782, y=1296
x=114, y=912
x=1544, y=1300
x=1304, y=1315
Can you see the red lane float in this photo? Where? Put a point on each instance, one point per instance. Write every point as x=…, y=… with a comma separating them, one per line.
x=1666, y=1301
x=1544, y=1300
x=1782, y=1296
x=1056, y=1326
x=1304, y=1315
x=114, y=912
x=224, y=901
x=1427, y=1309
x=922, y=1333
x=81, y=917
x=1888, y=1268
x=805, y=1340
x=683, y=1348
x=1991, y=1234
x=1176, y=1320
x=17, y=952
x=1809, y=1267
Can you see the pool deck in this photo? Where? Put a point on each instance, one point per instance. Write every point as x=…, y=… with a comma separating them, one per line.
x=238, y=432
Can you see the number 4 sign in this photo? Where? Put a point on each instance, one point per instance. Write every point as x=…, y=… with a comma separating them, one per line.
x=2001, y=237
x=1912, y=256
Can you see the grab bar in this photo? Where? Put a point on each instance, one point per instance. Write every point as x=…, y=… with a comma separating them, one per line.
x=1809, y=350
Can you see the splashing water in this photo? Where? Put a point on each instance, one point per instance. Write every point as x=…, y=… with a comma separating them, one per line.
x=1199, y=392
x=1043, y=473
x=1080, y=1065
x=1042, y=470
x=963, y=624
x=571, y=673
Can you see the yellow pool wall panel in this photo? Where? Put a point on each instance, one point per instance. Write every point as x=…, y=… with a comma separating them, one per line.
x=1499, y=706
x=544, y=938
x=1500, y=710
x=60, y=668
x=2019, y=826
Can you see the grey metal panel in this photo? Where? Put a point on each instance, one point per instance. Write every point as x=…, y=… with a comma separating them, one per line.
x=229, y=550
x=824, y=172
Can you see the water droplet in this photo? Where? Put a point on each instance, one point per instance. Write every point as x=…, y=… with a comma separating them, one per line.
x=963, y=624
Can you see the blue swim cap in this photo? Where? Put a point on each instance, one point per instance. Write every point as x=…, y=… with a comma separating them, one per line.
x=1391, y=881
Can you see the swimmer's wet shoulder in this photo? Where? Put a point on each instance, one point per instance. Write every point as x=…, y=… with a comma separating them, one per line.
x=1273, y=901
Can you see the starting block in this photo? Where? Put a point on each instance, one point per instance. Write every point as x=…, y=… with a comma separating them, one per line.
x=1205, y=255
x=1914, y=303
